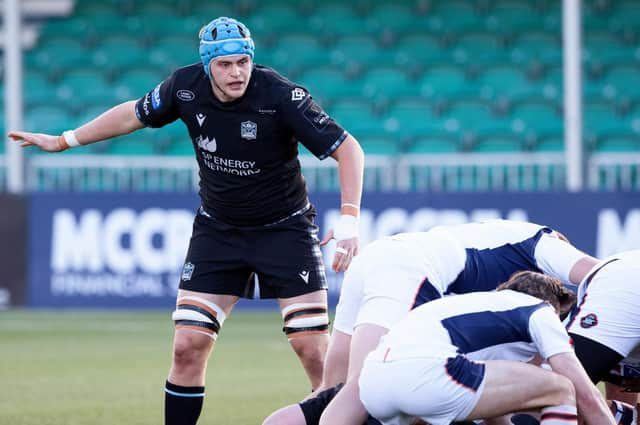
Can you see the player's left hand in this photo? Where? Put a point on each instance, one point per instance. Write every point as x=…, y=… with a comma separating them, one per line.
x=346, y=249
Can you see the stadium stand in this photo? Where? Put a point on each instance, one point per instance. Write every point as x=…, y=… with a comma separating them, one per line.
x=408, y=77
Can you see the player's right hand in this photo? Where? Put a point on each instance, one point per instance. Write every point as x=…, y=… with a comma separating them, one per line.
x=46, y=142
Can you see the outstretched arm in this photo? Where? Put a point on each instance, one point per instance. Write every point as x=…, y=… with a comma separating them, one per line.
x=117, y=121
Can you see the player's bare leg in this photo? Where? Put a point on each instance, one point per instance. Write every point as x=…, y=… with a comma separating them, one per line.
x=504, y=391
x=337, y=360
x=306, y=323
x=346, y=408
x=198, y=318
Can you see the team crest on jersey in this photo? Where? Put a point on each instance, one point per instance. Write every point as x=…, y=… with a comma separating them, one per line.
x=589, y=321
x=297, y=94
x=187, y=271
x=248, y=130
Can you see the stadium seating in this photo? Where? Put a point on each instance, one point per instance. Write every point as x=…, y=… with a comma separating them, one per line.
x=404, y=77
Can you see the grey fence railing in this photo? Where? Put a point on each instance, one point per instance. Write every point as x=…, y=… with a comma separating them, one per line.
x=430, y=173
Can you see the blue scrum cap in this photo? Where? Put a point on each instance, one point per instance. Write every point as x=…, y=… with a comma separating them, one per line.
x=224, y=37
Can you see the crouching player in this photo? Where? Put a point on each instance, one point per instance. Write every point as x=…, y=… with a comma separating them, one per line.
x=605, y=329
x=423, y=367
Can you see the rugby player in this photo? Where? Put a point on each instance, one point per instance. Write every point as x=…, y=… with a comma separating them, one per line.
x=244, y=122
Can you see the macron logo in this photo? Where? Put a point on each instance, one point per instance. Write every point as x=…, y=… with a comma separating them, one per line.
x=304, y=275
x=201, y=118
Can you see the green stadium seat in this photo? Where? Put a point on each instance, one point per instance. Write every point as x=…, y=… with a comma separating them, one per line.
x=478, y=49
x=379, y=145
x=48, y=119
x=430, y=144
x=600, y=119
x=81, y=87
x=123, y=26
x=274, y=18
x=96, y=10
x=176, y=132
x=536, y=118
x=622, y=82
x=396, y=18
x=37, y=90
x=595, y=16
x=625, y=16
x=208, y=10
x=142, y=142
x=174, y=51
x=359, y=49
x=387, y=83
x=357, y=117
x=75, y=28
x=116, y=54
x=498, y=143
x=57, y=54
x=155, y=10
x=454, y=17
x=326, y=84
x=413, y=117
x=506, y=81
x=536, y=46
x=89, y=113
x=298, y=52
x=552, y=87
x=421, y=49
x=624, y=143
x=135, y=84
x=445, y=82
x=470, y=114
x=332, y=20
x=512, y=17
x=553, y=143
x=601, y=47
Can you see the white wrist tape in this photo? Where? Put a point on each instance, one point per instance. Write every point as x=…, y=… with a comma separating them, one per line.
x=70, y=138
x=346, y=228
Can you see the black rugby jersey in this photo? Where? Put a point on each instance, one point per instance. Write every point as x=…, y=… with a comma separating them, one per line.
x=246, y=149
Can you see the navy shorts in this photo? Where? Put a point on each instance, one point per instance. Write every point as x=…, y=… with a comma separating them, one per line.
x=285, y=256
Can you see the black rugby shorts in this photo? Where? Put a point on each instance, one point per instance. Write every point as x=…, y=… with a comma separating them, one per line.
x=223, y=259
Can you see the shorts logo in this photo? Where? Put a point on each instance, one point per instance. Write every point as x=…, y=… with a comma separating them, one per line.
x=187, y=271
x=186, y=95
x=155, y=98
x=304, y=275
x=589, y=321
x=206, y=144
x=248, y=130
x=297, y=94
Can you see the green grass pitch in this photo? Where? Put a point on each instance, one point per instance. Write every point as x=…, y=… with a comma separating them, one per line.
x=105, y=368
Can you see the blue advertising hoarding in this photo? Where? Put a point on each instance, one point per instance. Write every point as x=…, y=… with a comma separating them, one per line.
x=126, y=250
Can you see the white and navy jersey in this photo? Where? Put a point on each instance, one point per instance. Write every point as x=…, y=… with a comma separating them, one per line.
x=483, y=255
x=477, y=325
x=246, y=149
x=608, y=299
